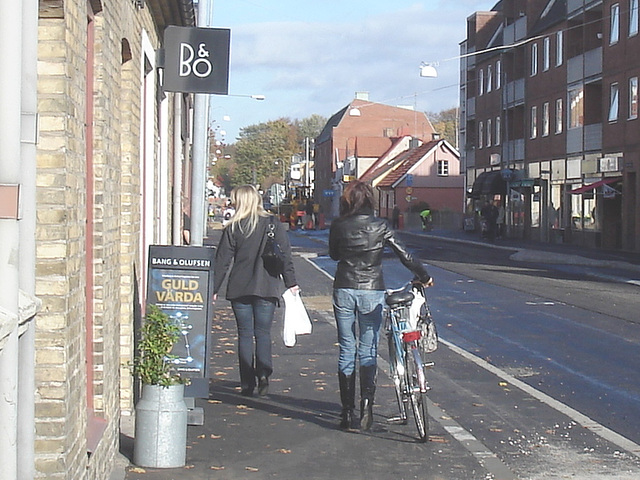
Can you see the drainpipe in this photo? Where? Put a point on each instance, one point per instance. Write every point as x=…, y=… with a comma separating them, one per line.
x=10, y=93
x=176, y=213
x=27, y=238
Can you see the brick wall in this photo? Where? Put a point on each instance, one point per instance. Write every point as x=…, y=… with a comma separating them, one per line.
x=61, y=378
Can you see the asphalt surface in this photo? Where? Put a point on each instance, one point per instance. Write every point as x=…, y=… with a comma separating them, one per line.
x=292, y=433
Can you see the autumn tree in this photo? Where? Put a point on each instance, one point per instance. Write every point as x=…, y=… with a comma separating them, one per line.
x=258, y=149
x=446, y=124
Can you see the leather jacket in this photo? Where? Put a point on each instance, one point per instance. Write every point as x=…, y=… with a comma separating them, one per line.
x=357, y=242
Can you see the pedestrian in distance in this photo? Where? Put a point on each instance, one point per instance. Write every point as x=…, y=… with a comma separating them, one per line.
x=490, y=215
x=357, y=239
x=395, y=217
x=253, y=292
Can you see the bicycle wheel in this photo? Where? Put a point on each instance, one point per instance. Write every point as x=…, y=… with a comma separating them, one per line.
x=414, y=377
x=397, y=378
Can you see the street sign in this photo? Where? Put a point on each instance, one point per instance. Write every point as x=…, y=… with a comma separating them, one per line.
x=328, y=193
x=196, y=60
x=409, y=180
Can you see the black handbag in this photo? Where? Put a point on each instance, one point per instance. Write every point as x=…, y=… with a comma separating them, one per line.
x=272, y=255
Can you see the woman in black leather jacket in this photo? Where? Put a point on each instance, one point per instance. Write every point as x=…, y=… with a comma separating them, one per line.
x=357, y=240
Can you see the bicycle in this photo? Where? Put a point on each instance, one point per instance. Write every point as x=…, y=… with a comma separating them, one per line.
x=408, y=370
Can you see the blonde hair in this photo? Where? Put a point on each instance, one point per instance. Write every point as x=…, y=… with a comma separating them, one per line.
x=248, y=204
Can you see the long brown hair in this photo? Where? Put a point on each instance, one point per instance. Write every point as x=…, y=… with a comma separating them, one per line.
x=357, y=196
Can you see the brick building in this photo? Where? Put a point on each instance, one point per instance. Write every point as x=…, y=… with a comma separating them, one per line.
x=107, y=139
x=549, y=118
x=358, y=134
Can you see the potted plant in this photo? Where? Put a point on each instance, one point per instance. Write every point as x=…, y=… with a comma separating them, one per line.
x=161, y=413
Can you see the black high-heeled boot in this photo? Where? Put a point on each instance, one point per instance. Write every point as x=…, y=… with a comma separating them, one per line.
x=367, y=393
x=347, y=398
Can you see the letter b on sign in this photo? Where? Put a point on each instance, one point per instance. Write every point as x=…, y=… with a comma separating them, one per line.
x=197, y=60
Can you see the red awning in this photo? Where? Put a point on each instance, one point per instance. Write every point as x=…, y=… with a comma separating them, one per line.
x=597, y=184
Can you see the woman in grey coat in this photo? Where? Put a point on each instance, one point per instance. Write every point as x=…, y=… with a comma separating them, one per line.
x=253, y=292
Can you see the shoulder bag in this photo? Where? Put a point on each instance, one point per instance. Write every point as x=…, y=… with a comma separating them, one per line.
x=272, y=255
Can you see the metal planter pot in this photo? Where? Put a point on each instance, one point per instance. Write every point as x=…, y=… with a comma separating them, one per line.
x=161, y=427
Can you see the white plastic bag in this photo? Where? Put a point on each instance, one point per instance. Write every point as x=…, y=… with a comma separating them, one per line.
x=416, y=308
x=296, y=318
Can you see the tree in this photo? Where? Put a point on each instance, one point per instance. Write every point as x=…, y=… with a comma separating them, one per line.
x=310, y=127
x=258, y=149
x=446, y=124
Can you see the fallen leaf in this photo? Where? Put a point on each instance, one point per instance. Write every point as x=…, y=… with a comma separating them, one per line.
x=189, y=467
x=215, y=401
x=284, y=450
x=215, y=436
x=503, y=384
x=478, y=404
x=216, y=467
x=437, y=439
x=251, y=469
x=137, y=470
x=495, y=430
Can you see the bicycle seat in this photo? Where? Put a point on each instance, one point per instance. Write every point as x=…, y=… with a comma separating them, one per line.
x=400, y=298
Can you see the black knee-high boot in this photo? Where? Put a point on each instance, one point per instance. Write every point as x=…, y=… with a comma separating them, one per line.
x=367, y=393
x=347, y=398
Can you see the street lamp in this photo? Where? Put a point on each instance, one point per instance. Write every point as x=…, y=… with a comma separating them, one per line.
x=255, y=97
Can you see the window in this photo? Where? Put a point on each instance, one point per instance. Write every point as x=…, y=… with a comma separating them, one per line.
x=443, y=168
x=489, y=78
x=559, y=48
x=546, y=52
x=481, y=82
x=633, y=97
x=614, y=25
x=633, y=17
x=534, y=59
x=559, y=113
x=576, y=108
x=545, y=119
x=498, y=74
x=534, y=122
x=613, y=102
x=489, y=133
x=480, y=134
x=498, y=131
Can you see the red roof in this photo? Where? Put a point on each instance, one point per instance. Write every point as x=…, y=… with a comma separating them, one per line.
x=406, y=161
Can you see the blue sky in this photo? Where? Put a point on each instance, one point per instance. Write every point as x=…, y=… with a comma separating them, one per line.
x=310, y=57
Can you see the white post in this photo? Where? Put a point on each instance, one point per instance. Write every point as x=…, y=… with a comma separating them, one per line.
x=10, y=164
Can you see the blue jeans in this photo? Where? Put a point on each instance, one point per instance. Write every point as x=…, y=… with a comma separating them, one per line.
x=254, y=316
x=364, y=308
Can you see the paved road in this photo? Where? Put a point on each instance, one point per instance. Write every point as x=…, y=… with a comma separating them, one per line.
x=486, y=421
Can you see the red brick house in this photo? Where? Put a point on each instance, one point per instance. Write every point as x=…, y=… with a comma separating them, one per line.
x=357, y=135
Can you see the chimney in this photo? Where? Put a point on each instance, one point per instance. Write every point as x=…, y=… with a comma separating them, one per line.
x=435, y=136
x=362, y=96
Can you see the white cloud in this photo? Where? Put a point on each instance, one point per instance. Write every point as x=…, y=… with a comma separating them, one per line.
x=316, y=67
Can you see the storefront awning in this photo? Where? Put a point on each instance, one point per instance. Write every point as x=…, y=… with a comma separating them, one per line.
x=591, y=186
x=489, y=183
